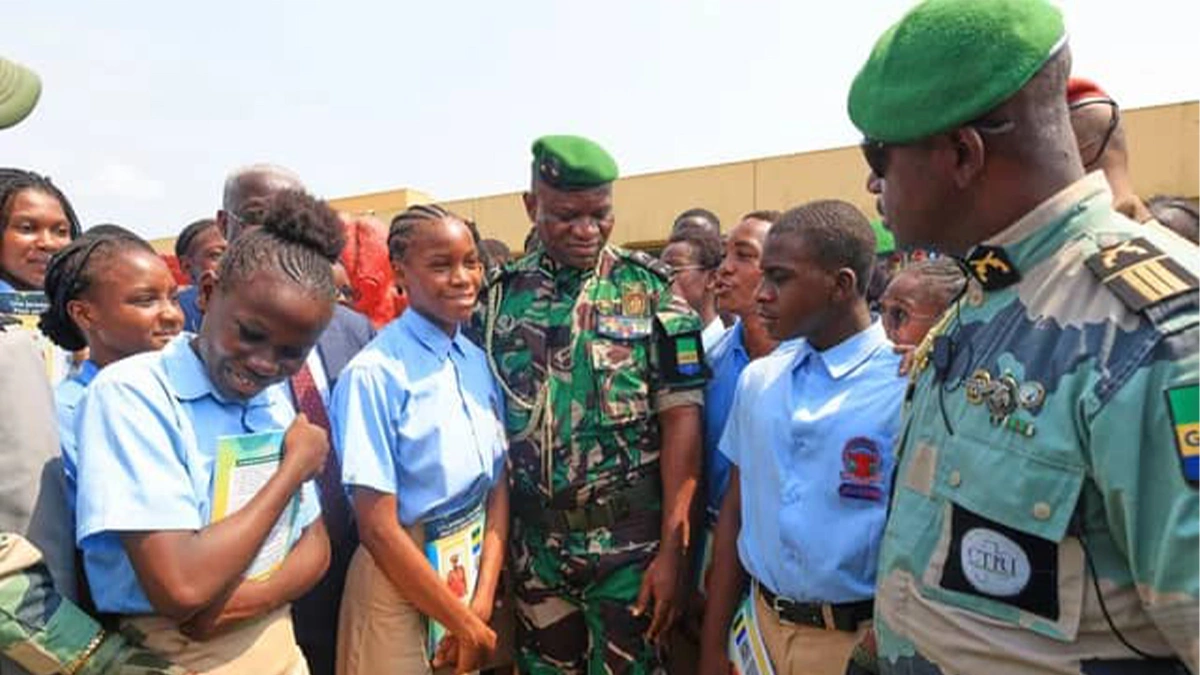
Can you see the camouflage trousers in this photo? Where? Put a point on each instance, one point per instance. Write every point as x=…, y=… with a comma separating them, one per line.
x=575, y=594
x=45, y=633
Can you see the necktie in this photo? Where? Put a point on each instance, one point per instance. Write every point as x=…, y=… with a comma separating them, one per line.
x=333, y=501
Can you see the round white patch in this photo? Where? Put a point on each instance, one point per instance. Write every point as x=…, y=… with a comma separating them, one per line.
x=993, y=563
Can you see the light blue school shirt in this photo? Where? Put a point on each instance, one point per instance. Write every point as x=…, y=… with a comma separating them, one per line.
x=727, y=359
x=801, y=422
x=149, y=425
x=189, y=302
x=6, y=287
x=418, y=414
x=67, y=396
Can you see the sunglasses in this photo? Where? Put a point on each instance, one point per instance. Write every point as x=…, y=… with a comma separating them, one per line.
x=877, y=152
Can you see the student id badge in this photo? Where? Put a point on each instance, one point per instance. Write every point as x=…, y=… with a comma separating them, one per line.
x=454, y=548
x=747, y=652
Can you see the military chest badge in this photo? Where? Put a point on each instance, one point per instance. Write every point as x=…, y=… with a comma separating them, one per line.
x=634, y=300
x=992, y=268
x=978, y=386
x=862, y=470
x=1031, y=395
x=1002, y=399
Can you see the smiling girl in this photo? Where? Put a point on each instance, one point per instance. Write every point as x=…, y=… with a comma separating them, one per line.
x=149, y=430
x=416, y=419
x=109, y=292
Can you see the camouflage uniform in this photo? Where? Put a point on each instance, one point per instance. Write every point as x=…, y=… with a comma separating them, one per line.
x=587, y=359
x=45, y=633
x=1048, y=466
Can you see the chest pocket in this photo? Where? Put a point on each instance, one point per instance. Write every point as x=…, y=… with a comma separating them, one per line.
x=1003, y=550
x=620, y=370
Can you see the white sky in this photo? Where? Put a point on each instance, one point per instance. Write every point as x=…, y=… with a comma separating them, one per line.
x=148, y=104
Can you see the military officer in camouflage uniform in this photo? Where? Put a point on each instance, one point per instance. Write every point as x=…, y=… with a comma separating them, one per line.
x=603, y=374
x=1044, y=517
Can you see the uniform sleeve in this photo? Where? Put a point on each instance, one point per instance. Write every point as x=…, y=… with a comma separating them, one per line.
x=729, y=441
x=1144, y=451
x=363, y=429
x=131, y=473
x=677, y=354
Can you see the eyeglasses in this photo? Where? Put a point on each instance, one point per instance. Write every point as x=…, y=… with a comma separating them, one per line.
x=876, y=152
x=1106, y=138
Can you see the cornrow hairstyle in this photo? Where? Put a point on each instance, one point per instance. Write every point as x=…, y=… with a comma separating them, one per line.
x=838, y=234
x=300, y=237
x=72, y=272
x=13, y=181
x=939, y=280
x=403, y=225
x=189, y=234
x=706, y=246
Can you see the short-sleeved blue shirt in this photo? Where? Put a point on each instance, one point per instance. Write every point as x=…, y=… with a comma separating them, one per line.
x=811, y=433
x=417, y=414
x=67, y=396
x=727, y=359
x=149, y=426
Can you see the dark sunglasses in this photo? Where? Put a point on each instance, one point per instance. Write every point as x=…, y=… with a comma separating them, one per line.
x=876, y=152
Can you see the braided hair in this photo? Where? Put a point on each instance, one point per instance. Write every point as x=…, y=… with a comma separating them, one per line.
x=939, y=280
x=72, y=272
x=13, y=181
x=300, y=237
x=404, y=224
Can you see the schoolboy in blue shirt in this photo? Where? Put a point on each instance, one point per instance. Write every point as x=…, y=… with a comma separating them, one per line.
x=810, y=437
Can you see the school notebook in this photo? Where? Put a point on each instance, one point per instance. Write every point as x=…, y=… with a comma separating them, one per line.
x=747, y=652
x=454, y=547
x=244, y=465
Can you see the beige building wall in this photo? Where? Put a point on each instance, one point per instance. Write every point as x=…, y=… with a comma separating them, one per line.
x=1164, y=147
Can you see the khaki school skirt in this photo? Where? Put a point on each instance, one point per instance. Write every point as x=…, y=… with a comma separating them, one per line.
x=262, y=646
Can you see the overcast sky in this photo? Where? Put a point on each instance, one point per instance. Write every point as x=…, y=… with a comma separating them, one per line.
x=148, y=104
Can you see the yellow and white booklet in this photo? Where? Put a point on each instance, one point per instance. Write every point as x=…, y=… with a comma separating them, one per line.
x=244, y=465
x=747, y=652
x=454, y=547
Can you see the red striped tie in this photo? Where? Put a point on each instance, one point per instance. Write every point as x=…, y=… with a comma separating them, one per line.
x=333, y=499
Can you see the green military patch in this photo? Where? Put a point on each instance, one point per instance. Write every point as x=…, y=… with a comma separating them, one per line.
x=1140, y=274
x=1184, y=406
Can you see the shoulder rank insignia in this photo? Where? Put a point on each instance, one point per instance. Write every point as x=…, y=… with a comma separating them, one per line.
x=992, y=268
x=1140, y=274
x=1184, y=406
x=649, y=262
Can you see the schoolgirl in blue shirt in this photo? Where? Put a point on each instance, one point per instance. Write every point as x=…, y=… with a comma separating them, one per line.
x=111, y=294
x=149, y=427
x=416, y=419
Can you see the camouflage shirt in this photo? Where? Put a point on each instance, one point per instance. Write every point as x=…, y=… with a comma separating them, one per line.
x=587, y=359
x=1047, y=477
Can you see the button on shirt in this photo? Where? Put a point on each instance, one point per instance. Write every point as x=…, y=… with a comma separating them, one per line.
x=727, y=359
x=808, y=429
x=417, y=414
x=67, y=396
x=151, y=424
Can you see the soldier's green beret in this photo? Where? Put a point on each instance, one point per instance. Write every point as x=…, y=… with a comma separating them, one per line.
x=948, y=62
x=885, y=241
x=20, y=88
x=572, y=163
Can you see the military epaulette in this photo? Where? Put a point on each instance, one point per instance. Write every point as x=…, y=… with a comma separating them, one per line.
x=1140, y=274
x=646, y=260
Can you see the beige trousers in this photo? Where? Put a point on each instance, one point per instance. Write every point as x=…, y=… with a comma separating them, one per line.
x=803, y=650
x=379, y=630
x=262, y=646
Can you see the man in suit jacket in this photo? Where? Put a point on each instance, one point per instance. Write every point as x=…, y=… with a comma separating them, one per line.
x=315, y=616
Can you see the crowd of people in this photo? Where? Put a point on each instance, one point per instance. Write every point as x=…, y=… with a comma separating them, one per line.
x=788, y=446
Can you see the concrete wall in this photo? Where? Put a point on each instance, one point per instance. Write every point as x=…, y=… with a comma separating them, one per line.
x=1164, y=145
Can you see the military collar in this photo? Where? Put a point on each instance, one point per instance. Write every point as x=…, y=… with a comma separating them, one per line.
x=997, y=262
x=552, y=268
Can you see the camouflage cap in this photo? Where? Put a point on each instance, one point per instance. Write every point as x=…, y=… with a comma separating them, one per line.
x=20, y=88
x=948, y=62
x=572, y=163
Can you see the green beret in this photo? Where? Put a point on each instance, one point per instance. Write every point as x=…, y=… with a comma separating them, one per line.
x=948, y=62
x=885, y=241
x=572, y=163
x=20, y=88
